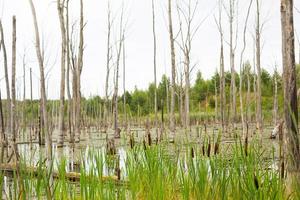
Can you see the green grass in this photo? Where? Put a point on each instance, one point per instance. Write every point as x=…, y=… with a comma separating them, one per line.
x=156, y=173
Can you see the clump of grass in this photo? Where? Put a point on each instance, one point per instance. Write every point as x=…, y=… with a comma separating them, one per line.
x=155, y=172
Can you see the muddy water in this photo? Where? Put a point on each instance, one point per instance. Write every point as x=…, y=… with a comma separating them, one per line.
x=94, y=141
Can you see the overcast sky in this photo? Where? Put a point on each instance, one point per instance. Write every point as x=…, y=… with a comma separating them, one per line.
x=139, y=42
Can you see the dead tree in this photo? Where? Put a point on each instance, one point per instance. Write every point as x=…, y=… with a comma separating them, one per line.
x=77, y=65
x=275, y=104
x=2, y=132
x=290, y=88
x=232, y=15
x=60, y=9
x=241, y=71
x=188, y=13
x=173, y=62
x=68, y=54
x=31, y=106
x=248, y=107
x=43, y=90
x=258, y=66
x=154, y=66
x=13, y=92
x=108, y=60
x=216, y=98
x=2, y=129
x=6, y=79
x=24, y=90
x=124, y=86
x=222, y=73
x=115, y=96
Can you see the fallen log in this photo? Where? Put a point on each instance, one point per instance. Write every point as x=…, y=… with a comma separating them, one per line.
x=11, y=169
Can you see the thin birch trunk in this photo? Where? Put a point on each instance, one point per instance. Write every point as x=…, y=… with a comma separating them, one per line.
x=275, y=104
x=78, y=76
x=173, y=60
x=43, y=93
x=154, y=66
x=13, y=91
x=241, y=72
x=232, y=66
x=115, y=99
x=258, y=65
x=8, y=106
x=108, y=59
x=60, y=9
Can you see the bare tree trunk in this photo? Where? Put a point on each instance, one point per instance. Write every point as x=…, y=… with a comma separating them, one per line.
x=31, y=105
x=60, y=9
x=124, y=87
x=182, y=114
x=258, y=50
x=24, y=93
x=187, y=89
x=43, y=92
x=108, y=59
x=2, y=129
x=255, y=81
x=290, y=88
x=241, y=71
x=216, y=102
x=78, y=75
x=173, y=60
x=6, y=79
x=2, y=132
x=222, y=73
x=275, y=105
x=115, y=98
x=248, y=110
x=68, y=74
x=13, y=92
x=232, y=56
x=154, y=66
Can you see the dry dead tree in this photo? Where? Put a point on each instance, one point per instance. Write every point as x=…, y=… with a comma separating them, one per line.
x=6, y=79
x=64, y=44
x=222, y=71
x=258, y=66
x=43, y=91
x=290, y=88
x=173, y=62
x=241, y=71
x=154, y=67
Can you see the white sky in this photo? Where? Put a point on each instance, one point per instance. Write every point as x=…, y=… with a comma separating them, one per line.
x=139, y=42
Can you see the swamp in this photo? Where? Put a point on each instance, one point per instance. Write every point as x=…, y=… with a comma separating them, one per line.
x=83, y=114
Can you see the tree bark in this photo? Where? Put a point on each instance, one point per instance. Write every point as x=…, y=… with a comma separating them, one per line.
x=173, y=62
x=78, y=76
x=232, y=57
x=6, y=80
x=108, y=59
x=60, y=9
x=43, y=91
x=222, y=73
x=13, y=91
x=68, y=74
x=258, y=51
x=115, y=97
x=290, y=88
x=241, y=72
x=275, y=104
x=124, y=86
x=154, y=66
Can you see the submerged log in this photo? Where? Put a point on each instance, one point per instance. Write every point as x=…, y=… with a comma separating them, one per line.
x=11, y=169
